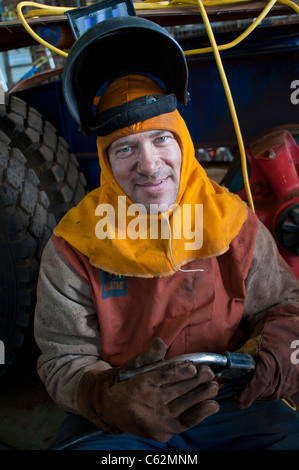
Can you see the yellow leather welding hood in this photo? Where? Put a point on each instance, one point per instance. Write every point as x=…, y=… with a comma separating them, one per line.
x=148, y=256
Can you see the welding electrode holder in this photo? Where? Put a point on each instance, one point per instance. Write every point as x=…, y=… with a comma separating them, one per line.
x=228, y=366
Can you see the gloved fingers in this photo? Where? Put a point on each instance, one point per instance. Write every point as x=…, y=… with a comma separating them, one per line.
x=198, y=413
x=204, y=375
x=154, y=353
x=188, y=419
x=178, y=378
x=197, y=395
x=170, y=374
x=181, y=371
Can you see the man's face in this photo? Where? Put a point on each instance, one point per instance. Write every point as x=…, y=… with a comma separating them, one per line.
x=147, y=166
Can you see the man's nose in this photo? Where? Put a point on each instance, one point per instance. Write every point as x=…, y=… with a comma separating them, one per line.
x=149, y=160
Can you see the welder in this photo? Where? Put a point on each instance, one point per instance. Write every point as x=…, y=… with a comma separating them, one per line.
x=109, y=304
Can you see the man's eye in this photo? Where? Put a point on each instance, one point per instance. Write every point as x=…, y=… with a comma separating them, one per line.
x=163, y=138
x=125, y=149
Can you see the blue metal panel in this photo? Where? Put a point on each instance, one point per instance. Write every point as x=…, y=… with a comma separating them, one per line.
x=260, y=72
x=261, y=89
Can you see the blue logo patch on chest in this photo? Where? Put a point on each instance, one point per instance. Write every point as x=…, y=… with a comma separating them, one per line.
x=113, y=285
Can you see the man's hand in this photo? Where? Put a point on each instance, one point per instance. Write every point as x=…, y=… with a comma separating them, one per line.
x=275, y=375
x=153, y=405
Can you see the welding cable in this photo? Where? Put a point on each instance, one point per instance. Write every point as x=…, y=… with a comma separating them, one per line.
x=61, y=10
x=290, y=4
x=240, y=38
x=157, y=5
x=216, y=49
x=46, y=10
x=236, y=41
x=53, y=10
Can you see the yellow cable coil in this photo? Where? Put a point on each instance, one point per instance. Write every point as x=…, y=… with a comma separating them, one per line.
x=150, y=4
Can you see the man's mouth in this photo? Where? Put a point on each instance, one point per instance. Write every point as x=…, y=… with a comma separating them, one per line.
x=152, y=186
x=149, y=184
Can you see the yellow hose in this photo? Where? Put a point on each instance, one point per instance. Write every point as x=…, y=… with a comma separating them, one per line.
x=290, y=4
x=47, y=10
x=230, y=102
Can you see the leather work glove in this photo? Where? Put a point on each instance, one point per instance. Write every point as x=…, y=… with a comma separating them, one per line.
x=153, y=405
x=275, y=376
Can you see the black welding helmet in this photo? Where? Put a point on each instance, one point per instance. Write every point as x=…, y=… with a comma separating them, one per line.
x=120, y=46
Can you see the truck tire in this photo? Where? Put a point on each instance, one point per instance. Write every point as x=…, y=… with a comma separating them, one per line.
x=39, y=183
x=25, y=226
x=46, y=153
